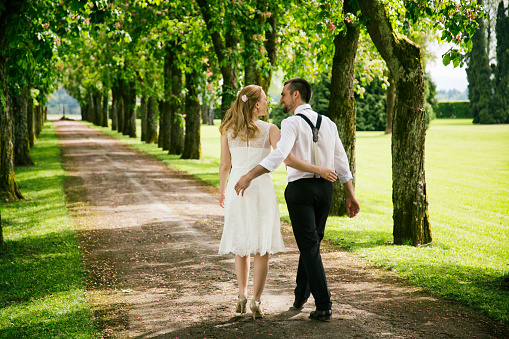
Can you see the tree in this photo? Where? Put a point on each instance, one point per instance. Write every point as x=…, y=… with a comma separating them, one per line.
x=478, y=75
x=22, y=156
x=411, y=218
x=151, y=125
x=500, y=104
x=258, y=24
x=342, y=108
x=371, y=110
x=175, y=116
x=2, y=242
x=403, y=57
x=192, y=148
x=225, y=45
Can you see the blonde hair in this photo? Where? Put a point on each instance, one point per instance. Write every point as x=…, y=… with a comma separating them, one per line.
x=239, y=117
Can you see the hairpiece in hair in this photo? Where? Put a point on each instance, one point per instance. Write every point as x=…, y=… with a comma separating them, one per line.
x=244, y=98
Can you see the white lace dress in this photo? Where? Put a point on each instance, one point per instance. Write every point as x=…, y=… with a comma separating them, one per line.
x=251, y=222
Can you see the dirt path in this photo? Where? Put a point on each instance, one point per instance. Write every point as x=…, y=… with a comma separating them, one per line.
x=149, y=237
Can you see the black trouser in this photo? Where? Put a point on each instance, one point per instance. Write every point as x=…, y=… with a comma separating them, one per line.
x=309, y=202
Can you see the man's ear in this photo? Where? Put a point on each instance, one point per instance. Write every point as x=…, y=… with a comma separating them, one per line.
x=296, y=94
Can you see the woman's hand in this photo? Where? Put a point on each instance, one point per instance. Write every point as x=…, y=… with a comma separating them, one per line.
x=221, y=200
x=328, y=174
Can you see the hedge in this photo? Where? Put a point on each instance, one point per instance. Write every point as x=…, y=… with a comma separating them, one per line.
x=453, y=110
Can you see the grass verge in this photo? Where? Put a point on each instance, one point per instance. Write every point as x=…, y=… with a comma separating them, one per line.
x=468, y=191
x=41, y=285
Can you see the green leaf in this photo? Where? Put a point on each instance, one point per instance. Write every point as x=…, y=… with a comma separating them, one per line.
x=446, y=59
x=456, y=62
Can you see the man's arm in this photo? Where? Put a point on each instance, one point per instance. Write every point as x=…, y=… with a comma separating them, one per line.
x=301, y=165
x=246, y=179
x=352, y=205
x=273, y=160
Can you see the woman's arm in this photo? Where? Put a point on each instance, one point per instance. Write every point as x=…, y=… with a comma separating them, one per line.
x=325, y=173
x=224, y=167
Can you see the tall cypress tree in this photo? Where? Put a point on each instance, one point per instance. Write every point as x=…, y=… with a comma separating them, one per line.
x=500, y=104
x=478, y=75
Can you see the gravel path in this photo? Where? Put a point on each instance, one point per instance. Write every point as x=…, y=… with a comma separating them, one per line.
x=149, y=237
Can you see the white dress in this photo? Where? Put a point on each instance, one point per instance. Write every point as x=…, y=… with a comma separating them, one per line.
x=251, y=222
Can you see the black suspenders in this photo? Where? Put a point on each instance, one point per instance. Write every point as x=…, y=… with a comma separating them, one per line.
x=313, y=128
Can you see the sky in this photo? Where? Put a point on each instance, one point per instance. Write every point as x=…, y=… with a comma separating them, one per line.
x=446, y=77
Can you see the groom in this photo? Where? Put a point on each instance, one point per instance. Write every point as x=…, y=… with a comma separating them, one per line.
x=308, y=198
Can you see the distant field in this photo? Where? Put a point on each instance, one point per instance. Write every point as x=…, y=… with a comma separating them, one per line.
x=467, y=176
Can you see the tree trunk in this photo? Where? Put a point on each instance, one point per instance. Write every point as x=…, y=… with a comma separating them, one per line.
x=84, y=110
x=2, y=242
x=106, y=99
x=151, y=128
x=143, y=116
x=391, y=99
x=342, y=108
x=211, y=114
x=124, y=103
x=30, y=121
x=403, y=57
x=115, y=107
x=38, y=117
x=22, y=156
x=204, y=113
x=91, y=106
x=192, y=148
x=98, y=107
x=176, y=124
x=8, y=186
x=127, y=108
x=132, y=110
x=165, y=131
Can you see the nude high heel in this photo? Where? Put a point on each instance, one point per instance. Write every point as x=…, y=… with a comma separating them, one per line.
x=241, y=304
x=255, y=308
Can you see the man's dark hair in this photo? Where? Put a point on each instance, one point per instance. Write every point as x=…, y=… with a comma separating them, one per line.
x=301, y=85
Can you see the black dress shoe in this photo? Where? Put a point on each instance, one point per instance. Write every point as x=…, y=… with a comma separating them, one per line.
x=321, y=315
x=298, y=303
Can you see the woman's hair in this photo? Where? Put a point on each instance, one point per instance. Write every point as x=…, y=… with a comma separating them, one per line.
x=239, y=118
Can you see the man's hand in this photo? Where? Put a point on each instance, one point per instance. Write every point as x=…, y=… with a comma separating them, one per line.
x=352, y=207
x=243, y=184
x=328, y=174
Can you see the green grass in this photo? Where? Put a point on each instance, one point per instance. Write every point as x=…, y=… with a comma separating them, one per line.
x=467, y=175
x=41, y=284
x=468, y=187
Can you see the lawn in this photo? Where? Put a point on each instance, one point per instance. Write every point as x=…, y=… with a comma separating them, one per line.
x=467, y=176
x=42, y=285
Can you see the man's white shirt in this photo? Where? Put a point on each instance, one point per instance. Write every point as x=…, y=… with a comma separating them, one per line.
x=297, y=139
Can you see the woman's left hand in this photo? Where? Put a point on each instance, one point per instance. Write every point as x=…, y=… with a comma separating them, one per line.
x=328, y=174
x=221, y=200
